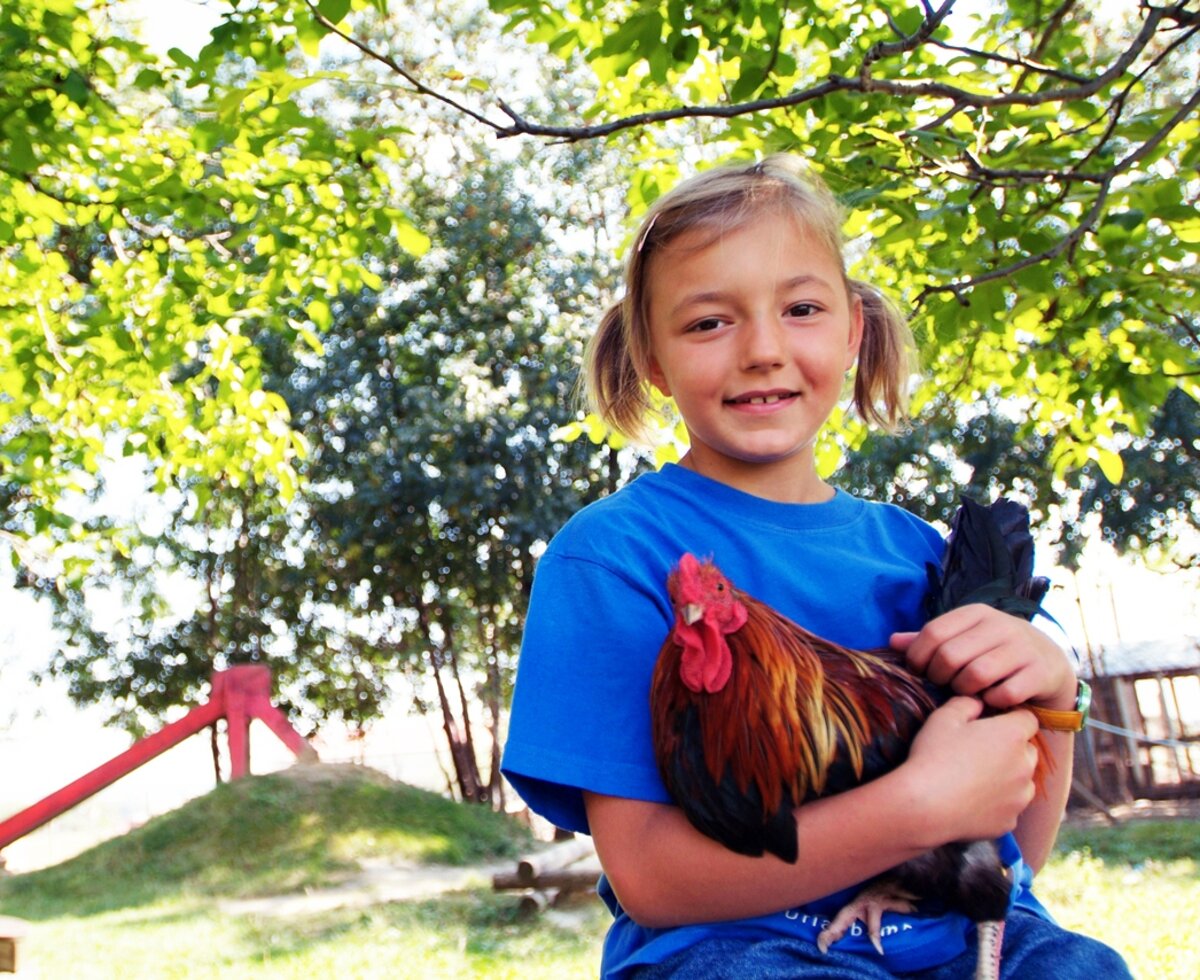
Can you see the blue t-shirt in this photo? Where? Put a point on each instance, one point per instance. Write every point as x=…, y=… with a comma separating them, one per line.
x=850, y=571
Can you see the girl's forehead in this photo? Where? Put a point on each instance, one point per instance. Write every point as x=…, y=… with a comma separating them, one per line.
x=782, y=228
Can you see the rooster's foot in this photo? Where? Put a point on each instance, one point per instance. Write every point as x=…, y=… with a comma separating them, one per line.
x=991, y=937
x=868, y=907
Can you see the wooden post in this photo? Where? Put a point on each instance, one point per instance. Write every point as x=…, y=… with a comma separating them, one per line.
x=237, y=731
x=1125, y=692
x=12, y=931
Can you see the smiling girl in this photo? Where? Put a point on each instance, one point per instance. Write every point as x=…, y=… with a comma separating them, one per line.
x=738, y=306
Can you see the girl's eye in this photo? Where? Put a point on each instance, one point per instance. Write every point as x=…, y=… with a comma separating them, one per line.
x=703, y=326
x=802, y=309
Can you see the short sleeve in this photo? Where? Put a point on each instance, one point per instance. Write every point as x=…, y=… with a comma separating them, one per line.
x=580, y=715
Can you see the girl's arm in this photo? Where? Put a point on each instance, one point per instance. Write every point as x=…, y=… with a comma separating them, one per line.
x=1007, y=662
x=1037, y=827
x=966, y=777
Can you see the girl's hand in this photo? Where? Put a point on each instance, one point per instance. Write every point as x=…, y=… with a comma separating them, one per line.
x=973, y=775
x=980, y=651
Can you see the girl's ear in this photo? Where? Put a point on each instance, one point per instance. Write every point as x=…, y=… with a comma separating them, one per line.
x=656, y=377
x=855, y=339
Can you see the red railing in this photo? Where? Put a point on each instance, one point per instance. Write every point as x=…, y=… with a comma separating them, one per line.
x=239, y=695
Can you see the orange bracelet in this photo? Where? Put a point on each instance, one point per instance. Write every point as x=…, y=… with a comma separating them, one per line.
x=1062, y=720
x=1055, y=720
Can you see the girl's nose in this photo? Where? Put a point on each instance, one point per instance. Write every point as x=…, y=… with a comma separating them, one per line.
x=763, y=343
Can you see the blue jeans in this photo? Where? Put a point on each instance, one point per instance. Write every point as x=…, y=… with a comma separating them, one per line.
x=1034, y=949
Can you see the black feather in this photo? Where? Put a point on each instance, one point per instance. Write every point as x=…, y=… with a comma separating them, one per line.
x=966, y=876
x=733, y=817
x=988, y=559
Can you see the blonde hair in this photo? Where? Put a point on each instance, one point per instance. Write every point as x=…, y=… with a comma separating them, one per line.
x=617, y=362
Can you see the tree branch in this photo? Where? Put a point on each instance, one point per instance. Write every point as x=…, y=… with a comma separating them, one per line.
x=1073, y=237
x=1078, y=87
x=1118, y=104
x=887, y=49
x=1023, y=63
x=1187, y=328
x=419, y=87
x=1056, y=20
x=773, y=60
x=863, y=83
x=999, y=177
x=1152, y=143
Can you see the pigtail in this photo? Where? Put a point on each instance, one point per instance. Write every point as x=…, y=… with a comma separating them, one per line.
x=884, y=359
x=615, y=391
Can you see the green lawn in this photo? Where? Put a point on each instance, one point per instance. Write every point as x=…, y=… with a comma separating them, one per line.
x=472, y=934
x=148, y=905
x=1137, y=887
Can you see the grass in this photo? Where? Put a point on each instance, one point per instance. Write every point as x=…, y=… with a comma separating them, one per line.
x=303, y=828
x=470, y=934
x=149, y=905
x=1136, y=887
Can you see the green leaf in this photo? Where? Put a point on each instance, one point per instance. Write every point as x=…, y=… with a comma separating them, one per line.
x=749, y=82
x=909, y=20
x=883, y=135
x=310, y=33
x=318, y=311
x=1110, y=463
x=334, y=11
x=410, y=238
x=76, y=88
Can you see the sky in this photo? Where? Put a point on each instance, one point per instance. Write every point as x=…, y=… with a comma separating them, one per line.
x=183, y=24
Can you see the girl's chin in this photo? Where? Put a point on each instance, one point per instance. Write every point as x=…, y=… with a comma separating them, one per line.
x=756, y=455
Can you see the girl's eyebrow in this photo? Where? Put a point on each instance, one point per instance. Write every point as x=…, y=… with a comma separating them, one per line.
x=697, y=299
x=805, y=279
x=713, y=296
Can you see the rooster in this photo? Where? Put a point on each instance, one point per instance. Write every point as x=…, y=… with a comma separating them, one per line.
x=752, y=715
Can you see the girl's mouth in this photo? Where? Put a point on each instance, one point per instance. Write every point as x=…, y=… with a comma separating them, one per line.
x=762, y=398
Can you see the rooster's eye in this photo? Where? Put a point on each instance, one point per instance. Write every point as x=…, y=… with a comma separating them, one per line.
x=720, y=586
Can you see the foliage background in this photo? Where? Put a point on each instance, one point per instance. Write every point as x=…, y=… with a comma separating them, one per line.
x=325, y=281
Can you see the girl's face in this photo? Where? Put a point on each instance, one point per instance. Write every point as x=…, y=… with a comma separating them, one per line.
x=752, y=334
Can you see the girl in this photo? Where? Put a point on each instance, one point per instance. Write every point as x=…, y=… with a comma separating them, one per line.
x=738, y=306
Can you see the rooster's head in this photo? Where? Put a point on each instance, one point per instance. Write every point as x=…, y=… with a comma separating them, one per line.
x=707, y=608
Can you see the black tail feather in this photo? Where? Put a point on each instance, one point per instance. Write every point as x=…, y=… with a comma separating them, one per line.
x=988, y=559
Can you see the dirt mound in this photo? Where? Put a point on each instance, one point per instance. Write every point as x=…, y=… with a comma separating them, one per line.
x=335, y=773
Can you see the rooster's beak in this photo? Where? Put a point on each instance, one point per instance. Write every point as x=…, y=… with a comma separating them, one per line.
x=692, y=612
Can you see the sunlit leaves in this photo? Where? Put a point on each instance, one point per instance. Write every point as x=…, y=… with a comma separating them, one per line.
x=144, y=243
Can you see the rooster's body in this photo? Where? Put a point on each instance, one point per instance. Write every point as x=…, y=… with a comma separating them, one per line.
x=753, y=715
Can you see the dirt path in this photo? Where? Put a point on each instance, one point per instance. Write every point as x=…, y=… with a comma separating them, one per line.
x=1183, y=809
x=378, y=881
x=382, y=880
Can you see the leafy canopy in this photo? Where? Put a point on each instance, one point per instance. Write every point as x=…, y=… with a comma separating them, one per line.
x=152, y=217
x=1024, y=177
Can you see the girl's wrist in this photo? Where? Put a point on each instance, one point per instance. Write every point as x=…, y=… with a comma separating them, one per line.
x=1063, y=699
x=1062, y=718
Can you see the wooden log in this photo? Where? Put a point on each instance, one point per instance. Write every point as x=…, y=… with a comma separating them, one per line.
x=532, y=866
x=564, y=878
x=534, y=903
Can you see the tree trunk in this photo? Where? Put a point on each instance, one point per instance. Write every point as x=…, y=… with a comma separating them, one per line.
x=458, y=738
x=613, y=481
x=487, y=639
x=215, y=745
